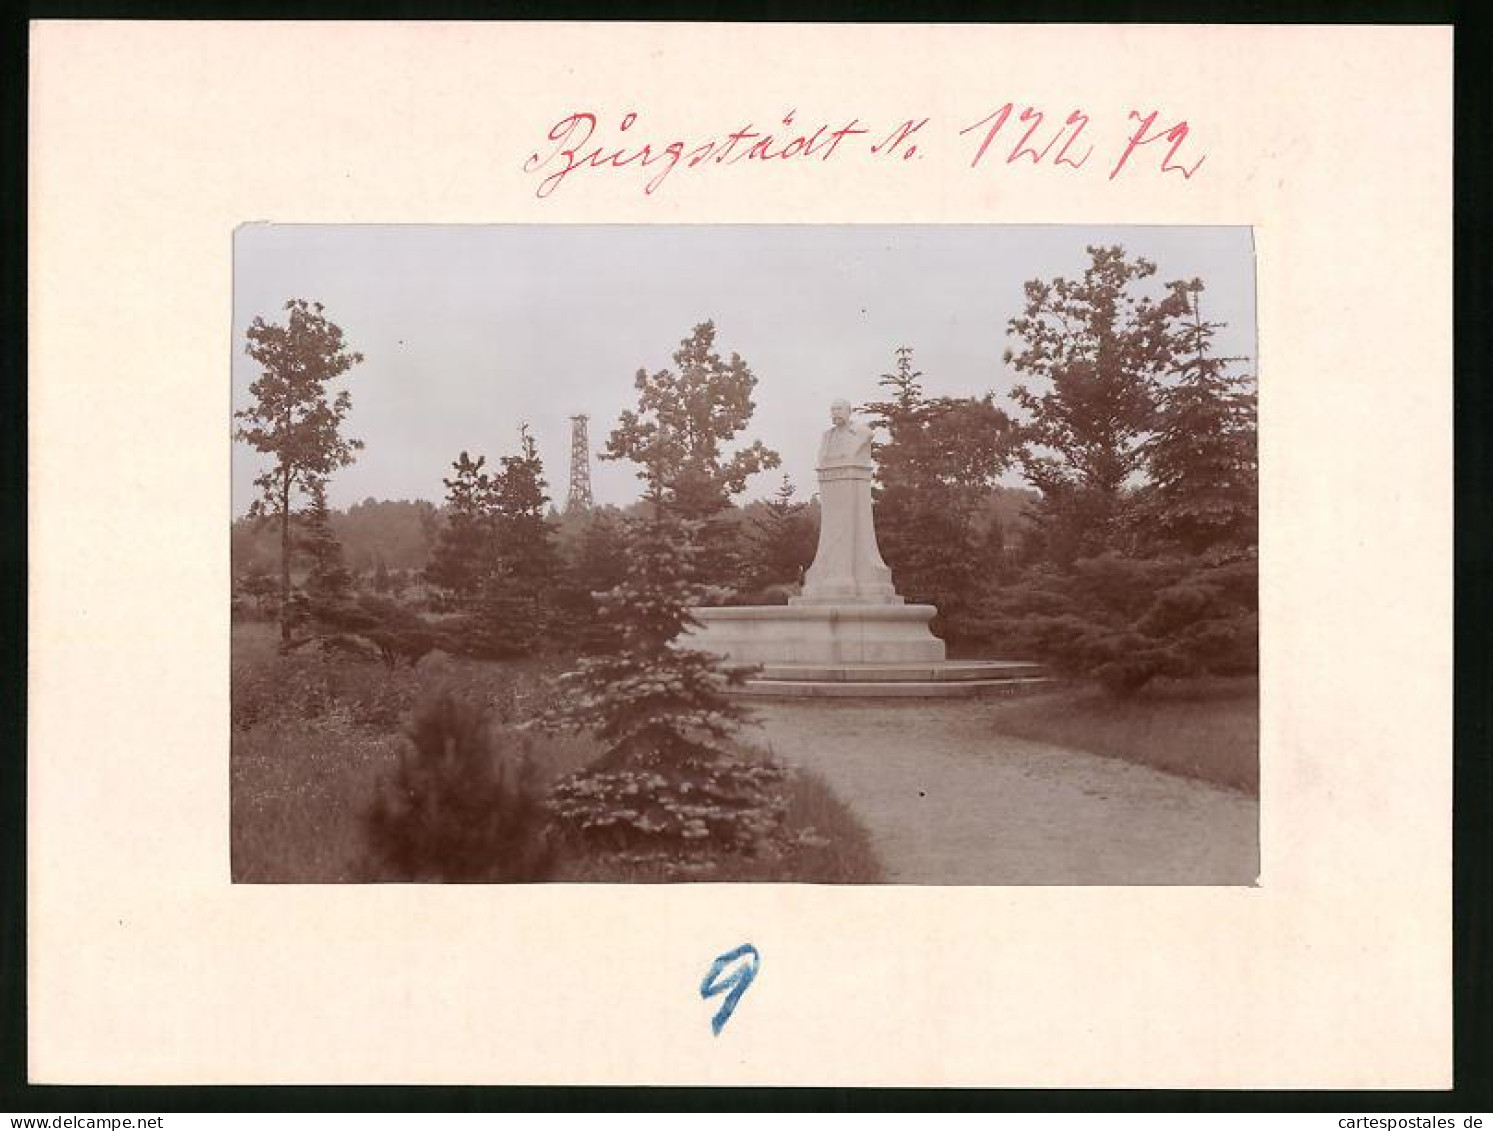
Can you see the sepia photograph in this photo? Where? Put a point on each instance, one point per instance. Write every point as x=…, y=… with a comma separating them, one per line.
x=827, y=554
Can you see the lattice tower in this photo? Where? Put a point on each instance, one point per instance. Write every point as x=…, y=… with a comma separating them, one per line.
x=580, y=466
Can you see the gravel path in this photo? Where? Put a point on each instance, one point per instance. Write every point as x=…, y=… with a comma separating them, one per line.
x=949, y=801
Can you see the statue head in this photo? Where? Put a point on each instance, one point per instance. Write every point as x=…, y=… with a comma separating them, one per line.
x=839, y=412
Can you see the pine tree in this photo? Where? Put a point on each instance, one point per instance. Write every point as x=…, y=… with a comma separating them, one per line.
x=514, y=607
x=596, y=564
x=933, y=474
x=463, y=553
x=527, y=557
x=1202, y=463
x=1148, y=481
x=655, y=701
x=668, y=779
x=328, y=578
x=463, y=804
x=1123, y=620
x=601, y=557
x=783, y=539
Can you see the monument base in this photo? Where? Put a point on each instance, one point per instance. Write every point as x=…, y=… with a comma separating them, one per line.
x=938, y=679
x=864, y=651
x=814, y=633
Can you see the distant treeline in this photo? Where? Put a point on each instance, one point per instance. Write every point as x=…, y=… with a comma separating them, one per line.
x=400, y=534
x=395, y=532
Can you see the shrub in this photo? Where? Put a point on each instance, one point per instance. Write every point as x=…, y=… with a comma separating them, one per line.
x=501, y=627
x=373, y=628
x=1125, y=621
x=462, y=805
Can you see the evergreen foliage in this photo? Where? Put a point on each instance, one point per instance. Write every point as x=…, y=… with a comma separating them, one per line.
x=1124, y=621
x=782, y=540
x=514, y=611
x=1203, y=490
x=463, y=554
x=371, y=627
x=496, y=555
x=527, y=558
x=1143, y=449
x=933, y=472
x=328, y=578
x=653, y=698
x=464, y=804
x=668, y=779
x=596, y=563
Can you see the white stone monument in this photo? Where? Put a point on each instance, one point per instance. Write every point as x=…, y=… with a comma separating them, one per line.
x=847, y=566
x=849, y=613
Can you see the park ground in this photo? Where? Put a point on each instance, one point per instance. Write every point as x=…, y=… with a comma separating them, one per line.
x=1065, y=787
x=1062, y=788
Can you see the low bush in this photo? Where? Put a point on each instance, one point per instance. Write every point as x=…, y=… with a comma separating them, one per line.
x=463, y=804
x=374, y=628
x=308, y=686
x=1123, y=622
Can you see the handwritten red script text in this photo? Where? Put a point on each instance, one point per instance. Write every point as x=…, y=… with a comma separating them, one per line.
x=581, y=144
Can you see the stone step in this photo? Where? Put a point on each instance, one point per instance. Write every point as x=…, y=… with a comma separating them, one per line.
x=908, y=672
x=911, y=689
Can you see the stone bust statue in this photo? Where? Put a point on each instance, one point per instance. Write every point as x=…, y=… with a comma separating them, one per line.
x=846, y=444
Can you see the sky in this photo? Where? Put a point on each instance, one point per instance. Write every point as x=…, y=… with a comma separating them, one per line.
x=470, y=331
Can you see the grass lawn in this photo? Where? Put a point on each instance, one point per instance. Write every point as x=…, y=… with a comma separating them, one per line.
x=312, y=737
x=1204, y=729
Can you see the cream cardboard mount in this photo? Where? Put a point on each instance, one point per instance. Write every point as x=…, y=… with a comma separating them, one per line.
x=151, y=141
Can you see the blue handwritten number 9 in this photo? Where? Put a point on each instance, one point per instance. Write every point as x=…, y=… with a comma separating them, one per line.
x=732, y=983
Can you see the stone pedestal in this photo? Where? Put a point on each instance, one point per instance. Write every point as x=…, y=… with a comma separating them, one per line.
x=847, y=566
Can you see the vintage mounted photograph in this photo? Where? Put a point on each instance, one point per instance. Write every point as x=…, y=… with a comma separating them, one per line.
x=834, y=554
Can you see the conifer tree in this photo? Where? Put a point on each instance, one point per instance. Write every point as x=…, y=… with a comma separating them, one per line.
x=596, y=564
x=463, y=804
x=933, y=474
x=513, y=612
x=328, y=578
x=1144, y=451
x=783, y=539
x=1203, y=492
x=526, y=551
x=667, y=778
x=463, y=552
